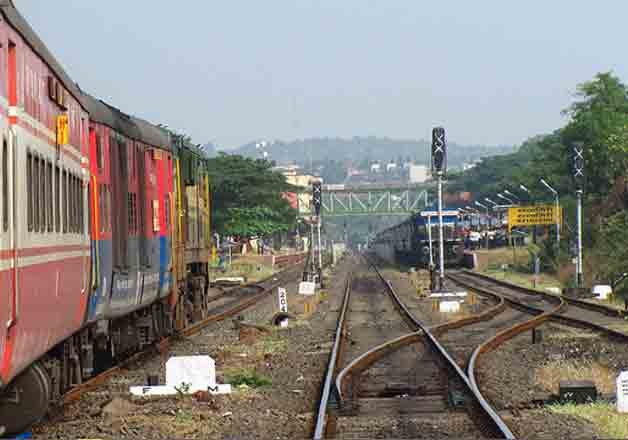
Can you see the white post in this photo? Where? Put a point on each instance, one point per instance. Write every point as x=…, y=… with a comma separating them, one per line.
x=487, y=227
x=557, y=222
x=579, y=270
x=429, y=237
x=320, y=254
x=441, y=283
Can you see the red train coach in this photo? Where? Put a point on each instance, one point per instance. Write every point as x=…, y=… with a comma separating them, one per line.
x=44, y=240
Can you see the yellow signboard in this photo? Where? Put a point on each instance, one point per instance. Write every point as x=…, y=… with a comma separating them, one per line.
x=63, y=130
x=533, y=215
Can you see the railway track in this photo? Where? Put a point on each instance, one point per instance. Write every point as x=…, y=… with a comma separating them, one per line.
x=224, y=305
x=568, y=311
x=518, y=310
x=393, y=379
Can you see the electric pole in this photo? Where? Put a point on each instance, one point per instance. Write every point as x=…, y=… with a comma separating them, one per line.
x=439, y=166
x=578, y=174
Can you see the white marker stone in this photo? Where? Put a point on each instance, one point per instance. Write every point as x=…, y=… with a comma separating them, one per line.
x=622, y=392
x=197, y=371
x=186, y=375
x=449, y=306
x=307, y=288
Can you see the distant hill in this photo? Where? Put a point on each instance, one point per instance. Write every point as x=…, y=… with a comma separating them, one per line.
x=359, y=149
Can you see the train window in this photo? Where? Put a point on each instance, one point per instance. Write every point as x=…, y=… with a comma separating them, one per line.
x=64, y=182
x=29, y=190
x=49, y=196
x=35, y=190
x=101, y=197
x=167, y=212
x=5, y=186
x=42, y=195
x=76, y=207
x=132, y=210
x=12, y=74
x=81, y=206
x=99, y=152
x=108, y=207
x=73, y=203
x=155, y=215
x=57, y=200
x=70, y=203
x=138, y=157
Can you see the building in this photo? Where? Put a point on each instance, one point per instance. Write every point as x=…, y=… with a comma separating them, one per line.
x=295, y=176
x=418, y=173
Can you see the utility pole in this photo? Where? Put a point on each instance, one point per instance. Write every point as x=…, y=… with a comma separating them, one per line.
x=317, y=201
x=439, y=165
x=578, y=170
x=429, y=237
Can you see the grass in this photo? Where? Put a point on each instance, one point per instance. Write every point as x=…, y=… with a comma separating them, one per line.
x=272, y=344
x=550, y=374
x=522, y=279
x=602, y=415
x=249, y=378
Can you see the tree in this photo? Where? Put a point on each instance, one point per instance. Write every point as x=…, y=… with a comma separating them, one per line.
x=255, y=222
x=599, y=119
x=240, y=184
x=612, y=250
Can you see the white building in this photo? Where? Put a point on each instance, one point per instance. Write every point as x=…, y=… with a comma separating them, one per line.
x=419, y=173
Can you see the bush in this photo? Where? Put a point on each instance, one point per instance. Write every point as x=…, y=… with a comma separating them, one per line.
x=248, y=378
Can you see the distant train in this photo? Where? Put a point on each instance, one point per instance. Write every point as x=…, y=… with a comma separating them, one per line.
x=408, y=243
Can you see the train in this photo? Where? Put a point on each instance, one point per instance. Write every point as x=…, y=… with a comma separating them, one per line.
x=105, y=230
x=408, y=242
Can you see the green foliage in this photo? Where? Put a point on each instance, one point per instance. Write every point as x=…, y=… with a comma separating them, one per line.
x=599, y=119
x=248, y=378
x=612, y=248
x=257, y=221
x=243, y=186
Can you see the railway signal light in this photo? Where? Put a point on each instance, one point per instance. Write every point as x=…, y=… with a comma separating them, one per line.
x=317, y=197
x=439, y=150
x=578, y=165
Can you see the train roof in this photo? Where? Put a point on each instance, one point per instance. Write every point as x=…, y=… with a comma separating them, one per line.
x=19, y=23
x=127, y=125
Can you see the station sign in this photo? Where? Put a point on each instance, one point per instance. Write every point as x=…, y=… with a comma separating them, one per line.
x=533, y=215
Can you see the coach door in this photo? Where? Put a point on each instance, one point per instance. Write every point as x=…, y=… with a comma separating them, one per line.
x=8, y=239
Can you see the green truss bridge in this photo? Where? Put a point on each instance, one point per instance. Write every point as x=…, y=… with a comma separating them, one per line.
x=376, y=199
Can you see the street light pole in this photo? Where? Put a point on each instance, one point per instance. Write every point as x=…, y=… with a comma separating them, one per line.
x=579, y=214
x=557, y=202
x=429, y=237
x=501, y=196
x=578, y=169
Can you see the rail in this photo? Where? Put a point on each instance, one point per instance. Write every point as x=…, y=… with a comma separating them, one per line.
x=321, y=418
x=499, y=424
x=76, y=392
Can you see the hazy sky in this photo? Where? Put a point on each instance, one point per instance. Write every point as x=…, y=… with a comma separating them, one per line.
x=233, y=71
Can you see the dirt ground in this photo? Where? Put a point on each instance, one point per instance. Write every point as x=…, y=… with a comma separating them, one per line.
x=529, y=372
x=283, y=368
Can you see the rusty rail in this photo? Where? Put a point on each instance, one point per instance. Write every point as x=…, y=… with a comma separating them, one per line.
x=161, y=346
x=321, y=418
x=600, y=308
x=499, y=426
